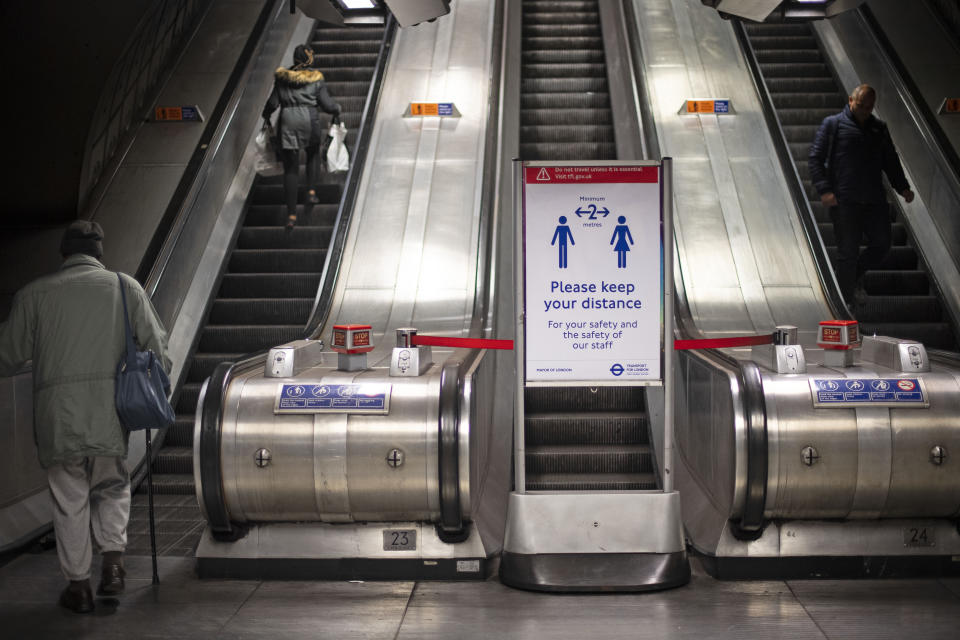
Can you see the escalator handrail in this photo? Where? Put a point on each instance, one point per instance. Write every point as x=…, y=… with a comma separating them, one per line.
x=210, y=413
x=808, y=221
x=341, y=226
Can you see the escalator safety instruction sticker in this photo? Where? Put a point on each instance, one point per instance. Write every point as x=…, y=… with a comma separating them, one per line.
x=318, y=397
x=872, y=392
x=592, y=273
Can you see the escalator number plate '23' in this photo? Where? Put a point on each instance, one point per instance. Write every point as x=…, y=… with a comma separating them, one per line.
x=399, y=539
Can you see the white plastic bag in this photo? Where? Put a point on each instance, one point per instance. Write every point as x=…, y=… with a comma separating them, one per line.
x=338, y=158
x=267, y=157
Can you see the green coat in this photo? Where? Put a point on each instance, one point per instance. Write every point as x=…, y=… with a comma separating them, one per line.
x=70, y=323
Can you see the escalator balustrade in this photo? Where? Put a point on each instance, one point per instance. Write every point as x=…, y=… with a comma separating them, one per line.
x=266, y=293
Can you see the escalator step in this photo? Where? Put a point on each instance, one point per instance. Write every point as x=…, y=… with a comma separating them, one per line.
x=788, y=55
x=546, y=100
x=347, y=74
x=563, y=85
x=187, y=400
x=264, y=215
x=899, y=258
x=174, y=460
x=269, y=285
x=796, y=115
x=900, y=309
x=904, y=283
x=565, y=31
x=831, y=101
x=897, y=230
x=559, y=17
x=593, y=399
x=585, y=428
x=181, y=433
x=589, y=133
x=551, y=43
x=175, y=484
x=565, y=117
x=246, y=338
x=795, y=70
x=300, y=237
x=591, y=482
x=568, y=459
x=765, y=43
x=568, y=151
x=803, y=85
x=324, y=61
x=327, y=35
x=269, y=190
x=203, y=364
x=589, y=70
x=563, y=56
x=802, y=133
x=354, y=88
x=261, y=310
x=276, y=260
x=777, y=29
x=370, y=45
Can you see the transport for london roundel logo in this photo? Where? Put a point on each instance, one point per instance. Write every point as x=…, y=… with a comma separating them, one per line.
x=617, y=369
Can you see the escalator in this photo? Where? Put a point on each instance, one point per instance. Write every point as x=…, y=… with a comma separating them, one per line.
x=901, y=299
x=267, y=291
x=577, y=439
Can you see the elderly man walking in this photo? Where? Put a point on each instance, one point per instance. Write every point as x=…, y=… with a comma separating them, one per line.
x=850, y=152
x=70, y=323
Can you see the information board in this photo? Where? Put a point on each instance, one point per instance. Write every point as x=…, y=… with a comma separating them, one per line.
x=870, y=392
x=317, y=397
x=593, y=276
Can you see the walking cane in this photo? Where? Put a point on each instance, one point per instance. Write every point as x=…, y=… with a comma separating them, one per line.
x=153, y=534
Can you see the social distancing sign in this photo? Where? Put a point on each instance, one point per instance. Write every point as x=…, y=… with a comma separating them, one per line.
x=592, y=281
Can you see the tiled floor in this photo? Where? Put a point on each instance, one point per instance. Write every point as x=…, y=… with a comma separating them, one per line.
x=185, y=607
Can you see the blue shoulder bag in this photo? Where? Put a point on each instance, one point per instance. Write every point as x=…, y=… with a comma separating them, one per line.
x=142, y=384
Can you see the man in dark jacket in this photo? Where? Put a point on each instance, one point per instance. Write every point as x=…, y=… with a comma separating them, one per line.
x=848, y=155
x=70, y=324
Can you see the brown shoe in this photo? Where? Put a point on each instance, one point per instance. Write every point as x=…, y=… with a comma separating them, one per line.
x=78, y=597
x=111, y=579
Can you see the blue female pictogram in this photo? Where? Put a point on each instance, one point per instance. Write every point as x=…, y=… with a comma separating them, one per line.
x=560, y=237
x=621, y=235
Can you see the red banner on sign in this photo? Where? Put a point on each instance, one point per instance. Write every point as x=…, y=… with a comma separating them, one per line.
x=590, y=175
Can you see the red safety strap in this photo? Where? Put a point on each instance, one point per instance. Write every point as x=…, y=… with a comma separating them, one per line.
x=461, y=343
x=720, y=343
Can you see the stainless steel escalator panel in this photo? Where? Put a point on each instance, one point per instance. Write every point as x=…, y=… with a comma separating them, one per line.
x=744, y=258
x=411, y=255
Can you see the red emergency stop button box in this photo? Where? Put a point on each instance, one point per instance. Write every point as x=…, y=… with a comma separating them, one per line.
x=838, y=335
x=351, y=338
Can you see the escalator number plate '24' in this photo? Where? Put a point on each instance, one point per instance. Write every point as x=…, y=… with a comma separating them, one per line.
x=918, y=537
x=399, y=539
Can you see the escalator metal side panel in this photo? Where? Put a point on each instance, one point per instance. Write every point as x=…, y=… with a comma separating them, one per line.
x=743, y=253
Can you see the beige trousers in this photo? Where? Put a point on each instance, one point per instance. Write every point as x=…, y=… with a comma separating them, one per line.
x=89, y=494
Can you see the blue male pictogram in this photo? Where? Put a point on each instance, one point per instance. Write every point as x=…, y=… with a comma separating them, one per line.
x=623, y=238
x=560, y=237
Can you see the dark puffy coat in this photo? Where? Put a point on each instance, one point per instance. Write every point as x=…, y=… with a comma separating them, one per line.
x=859, y=155
x=299, y=93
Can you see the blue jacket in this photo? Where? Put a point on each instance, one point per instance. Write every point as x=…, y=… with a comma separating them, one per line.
x=859, y=155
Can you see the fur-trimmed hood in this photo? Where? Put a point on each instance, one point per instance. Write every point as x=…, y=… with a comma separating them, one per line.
x=298, y=77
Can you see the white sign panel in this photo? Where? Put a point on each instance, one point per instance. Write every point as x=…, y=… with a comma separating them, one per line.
x=592, y=273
